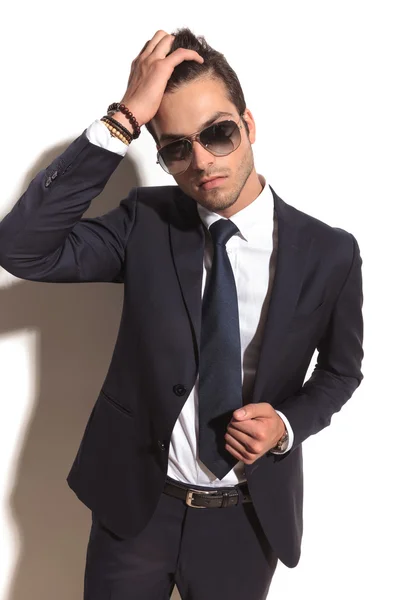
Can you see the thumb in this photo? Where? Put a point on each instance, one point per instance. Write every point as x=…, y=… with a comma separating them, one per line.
x=243, y=413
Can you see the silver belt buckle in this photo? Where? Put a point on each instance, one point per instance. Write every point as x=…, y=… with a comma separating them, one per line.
x=189, y=497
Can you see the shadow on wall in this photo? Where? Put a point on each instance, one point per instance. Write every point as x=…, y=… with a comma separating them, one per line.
x=77, y=326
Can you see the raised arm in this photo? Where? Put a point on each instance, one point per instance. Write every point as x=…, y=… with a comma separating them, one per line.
x=44, y=237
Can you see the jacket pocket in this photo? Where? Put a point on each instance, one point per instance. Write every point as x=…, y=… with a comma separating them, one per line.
x=116, y=404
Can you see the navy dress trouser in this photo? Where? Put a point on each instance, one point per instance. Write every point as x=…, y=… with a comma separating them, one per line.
x=209, y=553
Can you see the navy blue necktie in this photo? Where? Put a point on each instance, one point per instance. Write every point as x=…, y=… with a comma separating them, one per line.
x=220, y=375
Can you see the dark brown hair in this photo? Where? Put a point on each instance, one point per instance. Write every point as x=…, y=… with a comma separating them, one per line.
x=215, y=66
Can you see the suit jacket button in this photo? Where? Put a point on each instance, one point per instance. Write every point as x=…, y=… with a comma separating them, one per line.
x=161, y=445
x=179, y=389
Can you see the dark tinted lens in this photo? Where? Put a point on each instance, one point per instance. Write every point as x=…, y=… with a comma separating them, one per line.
x=174, y=156
x=221, y=138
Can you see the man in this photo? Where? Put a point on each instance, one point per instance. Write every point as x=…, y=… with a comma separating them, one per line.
x=228, y=292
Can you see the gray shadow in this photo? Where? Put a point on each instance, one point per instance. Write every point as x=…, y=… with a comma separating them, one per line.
x=76, y=329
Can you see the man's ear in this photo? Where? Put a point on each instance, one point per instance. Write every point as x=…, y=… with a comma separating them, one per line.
x=248, y=117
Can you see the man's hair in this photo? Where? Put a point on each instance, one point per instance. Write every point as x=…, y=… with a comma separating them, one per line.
x=214, y=66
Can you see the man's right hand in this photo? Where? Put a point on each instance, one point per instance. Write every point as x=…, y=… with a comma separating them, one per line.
x=149, y=76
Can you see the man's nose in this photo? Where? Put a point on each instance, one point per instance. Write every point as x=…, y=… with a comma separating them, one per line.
x=201, y=158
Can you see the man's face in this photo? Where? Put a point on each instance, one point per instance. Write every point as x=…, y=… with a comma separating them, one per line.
x=184, y=112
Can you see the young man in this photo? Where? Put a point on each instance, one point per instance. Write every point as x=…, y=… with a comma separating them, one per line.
x=228, y=292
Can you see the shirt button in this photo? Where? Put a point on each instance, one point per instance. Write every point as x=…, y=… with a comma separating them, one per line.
x=161, y=445
x=47, y=182
x=179, y=389
x=54, y=175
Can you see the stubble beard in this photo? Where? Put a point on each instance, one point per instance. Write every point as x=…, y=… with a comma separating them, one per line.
x=217, y=200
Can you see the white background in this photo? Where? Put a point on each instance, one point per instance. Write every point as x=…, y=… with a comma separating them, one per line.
x=322, y=81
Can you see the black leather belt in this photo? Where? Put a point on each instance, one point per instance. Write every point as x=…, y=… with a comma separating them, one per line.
x=218, y=498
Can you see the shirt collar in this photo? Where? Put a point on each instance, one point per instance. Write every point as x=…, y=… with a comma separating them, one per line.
x=254, y=222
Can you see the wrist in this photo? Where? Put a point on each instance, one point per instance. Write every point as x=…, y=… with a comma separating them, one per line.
x=120, y=117
x=123, y=112
x=281, y=442
x=133, y=108
x=282, y=430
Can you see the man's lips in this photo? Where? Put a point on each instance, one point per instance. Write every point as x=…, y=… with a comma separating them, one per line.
x=207, y=184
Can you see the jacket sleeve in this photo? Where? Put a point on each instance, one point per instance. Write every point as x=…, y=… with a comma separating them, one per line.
x=337, y=373
x=45, y=238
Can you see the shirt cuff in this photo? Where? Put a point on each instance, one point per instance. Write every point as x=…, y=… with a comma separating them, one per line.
x=99, y=135
x=290, y=432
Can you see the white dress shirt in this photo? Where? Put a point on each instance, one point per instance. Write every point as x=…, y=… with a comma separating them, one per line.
x=249, y=252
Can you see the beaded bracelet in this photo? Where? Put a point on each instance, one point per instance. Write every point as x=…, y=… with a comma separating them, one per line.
x=125, y=132
x=115, y=133
x=115, y=106
x=123, y=129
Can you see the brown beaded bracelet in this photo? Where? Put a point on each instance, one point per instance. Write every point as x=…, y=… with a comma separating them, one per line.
x=115, y=133
x=125, y=132
x=118, y=106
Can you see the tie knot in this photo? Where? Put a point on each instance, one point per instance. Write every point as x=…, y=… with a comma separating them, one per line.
x=222, y=230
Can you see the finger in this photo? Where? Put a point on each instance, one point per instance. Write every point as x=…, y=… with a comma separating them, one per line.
x=254, y=411
x=151, y=44
x=239, y=436
x=245, y=447
x=148, y=48
x=235, y=453
x=181, y=54
x=250, y=428
x=144, y=47
x=240, y=453
x=234, y=443
x=163, y=46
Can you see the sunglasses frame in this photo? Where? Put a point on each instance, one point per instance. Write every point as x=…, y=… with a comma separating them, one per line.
x=195, y=137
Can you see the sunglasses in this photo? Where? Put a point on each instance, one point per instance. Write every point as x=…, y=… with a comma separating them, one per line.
x=220, y=139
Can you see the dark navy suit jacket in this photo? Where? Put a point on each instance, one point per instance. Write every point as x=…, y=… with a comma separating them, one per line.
x=153, y=243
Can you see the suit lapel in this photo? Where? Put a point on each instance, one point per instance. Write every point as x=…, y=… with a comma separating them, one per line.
x=187, y=246
x=292, y=256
